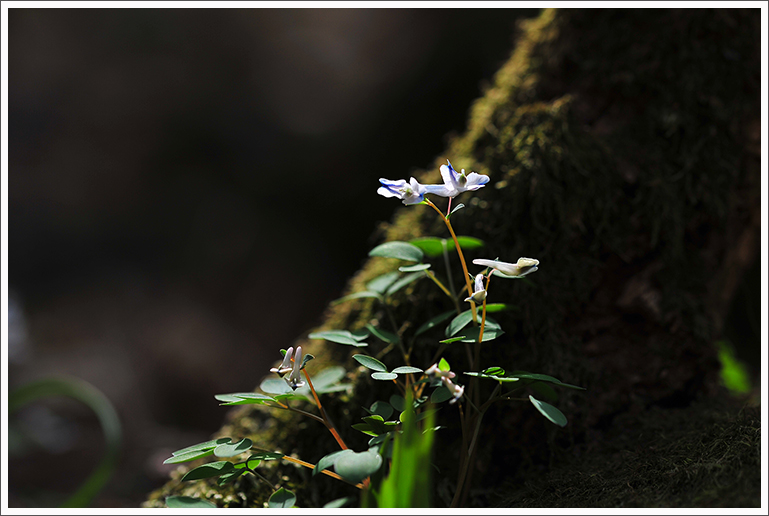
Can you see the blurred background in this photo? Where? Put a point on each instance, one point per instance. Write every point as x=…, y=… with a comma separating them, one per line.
x=188, y=189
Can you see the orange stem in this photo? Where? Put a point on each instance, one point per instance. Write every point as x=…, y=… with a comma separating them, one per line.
x=326, y=420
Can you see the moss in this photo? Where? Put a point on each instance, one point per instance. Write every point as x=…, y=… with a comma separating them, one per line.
x=620, y=155
x=705, y=455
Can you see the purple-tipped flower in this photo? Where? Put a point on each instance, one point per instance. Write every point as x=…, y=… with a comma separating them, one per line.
x=479, y=293
x=519, y=269
x=454, y=183
x=294, y=380
x=285, y=366
x=410, y=193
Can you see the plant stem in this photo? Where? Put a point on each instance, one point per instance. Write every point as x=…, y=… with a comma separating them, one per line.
x=461, y=256
x=323, y=414
x=448, y=274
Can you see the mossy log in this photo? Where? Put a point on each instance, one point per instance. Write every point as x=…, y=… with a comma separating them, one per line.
x=623, y=148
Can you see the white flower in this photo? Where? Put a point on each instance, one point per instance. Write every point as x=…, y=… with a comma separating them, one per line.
x=285, y=366
x=480, y=293
x=433, y=370
x=294, y=380
x=456, y=390
x=455, y=183
x=519, y=269
x=409, y=193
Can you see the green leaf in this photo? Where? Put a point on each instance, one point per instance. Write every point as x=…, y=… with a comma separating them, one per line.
x=452, y=339
x=384, y=376
x=499, y=307
x=407, y=370
x=339, y=502
x=467, y=242
x=434, y=322
x=397, y=249
x=384, y=335
x=354, y=467
x=340, y=337
x=366, y=429
x=326, y=380
x=208, y=445
x=405, y=280
x=329, y=460
x=459, y=322
x=262, y=455
x=276, y=386
x=253, y=461
x=433, y=246
x=443, y=365
x=398, y=402
x=188, y=502
x=409, y=482
x=457, y=208
x=186, y=457
x=380, y=283
x=543, y=378
x=244, y=398
x=544, y=390
x=549, y=411
x=230, y=450
x=357, y=295
x=281, y=499
x=306, y=358
x=492, y=376
x=370, y=362
x=441, y=394
x=376, y=424
x=212, y=469
x=489, y=333
x=230, y=477
x=415, y=268
x=382, y=409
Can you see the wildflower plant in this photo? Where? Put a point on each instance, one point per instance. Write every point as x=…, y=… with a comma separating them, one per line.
x=400, y=424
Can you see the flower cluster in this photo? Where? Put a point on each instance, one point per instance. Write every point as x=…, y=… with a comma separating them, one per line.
x=454, y=183
x=456, y=390
x=294, y=380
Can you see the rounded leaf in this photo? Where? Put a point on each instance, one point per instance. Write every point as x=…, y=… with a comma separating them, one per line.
x=281, y=499
x=232, y=449
x=354, y=467
x=212, y=469
x=441, y=394
x=397, y=249
x=549, y=411
x=398, y=402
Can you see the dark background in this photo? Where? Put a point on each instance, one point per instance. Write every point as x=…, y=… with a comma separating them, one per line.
x=189, y=188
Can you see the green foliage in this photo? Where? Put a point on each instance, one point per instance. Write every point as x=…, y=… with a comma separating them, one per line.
x=341, y=337
x=188, y=502
x=355, y=466
x=409, y=482
x=281, y=499
x=734, y=375
x=400, y=250
x=434, y=246
x=549, y=411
